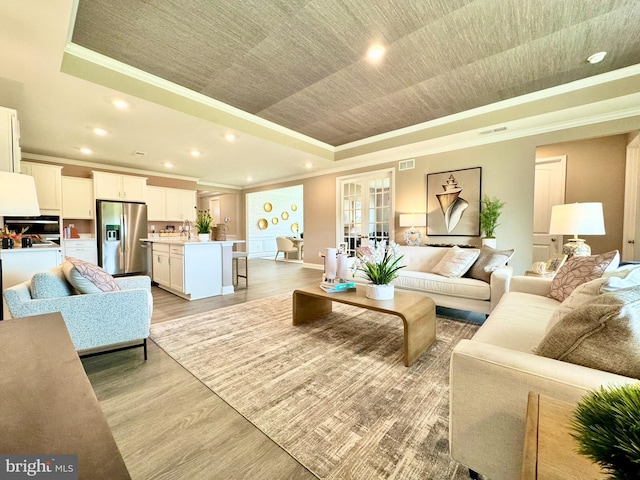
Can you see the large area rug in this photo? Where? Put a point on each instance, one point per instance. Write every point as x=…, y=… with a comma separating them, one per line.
x=334, y=393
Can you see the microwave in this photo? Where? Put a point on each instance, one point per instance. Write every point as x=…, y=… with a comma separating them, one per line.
x=44, y=228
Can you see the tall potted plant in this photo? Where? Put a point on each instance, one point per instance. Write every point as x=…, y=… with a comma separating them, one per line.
x=489, y=215
x=380, y=266
x=203, y=224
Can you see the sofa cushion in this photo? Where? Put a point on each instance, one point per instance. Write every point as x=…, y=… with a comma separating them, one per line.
x=432, y=283
x=87, y=277
x=49, y=284
x=488, y=261
x=579, y=270
x=603, y=334
x=456, y=262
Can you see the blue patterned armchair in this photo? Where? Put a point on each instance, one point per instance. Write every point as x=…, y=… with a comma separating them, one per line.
x=94, y=320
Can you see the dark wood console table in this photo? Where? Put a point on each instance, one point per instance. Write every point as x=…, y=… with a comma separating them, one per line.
x=47, y=405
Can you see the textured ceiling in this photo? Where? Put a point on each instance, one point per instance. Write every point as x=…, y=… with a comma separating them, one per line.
x=300, y=63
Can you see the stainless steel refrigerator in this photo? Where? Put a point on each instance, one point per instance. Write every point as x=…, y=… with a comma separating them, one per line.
x=120, y=227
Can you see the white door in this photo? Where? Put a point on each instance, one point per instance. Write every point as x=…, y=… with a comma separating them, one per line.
x=549, y=191
x=631, y=228
x=214, y=209
x=365, y=205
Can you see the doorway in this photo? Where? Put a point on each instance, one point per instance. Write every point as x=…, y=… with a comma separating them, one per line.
x=549, y=190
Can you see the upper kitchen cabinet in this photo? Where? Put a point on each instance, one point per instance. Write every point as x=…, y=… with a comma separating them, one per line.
x=156, y=204
x=9, y=140
x=48, y=180
x=77, y=198
x=112, y=186
x=181, y=204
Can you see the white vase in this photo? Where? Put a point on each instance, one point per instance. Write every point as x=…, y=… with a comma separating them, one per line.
x=203, y=237
x=379, y=292
x=490, y=242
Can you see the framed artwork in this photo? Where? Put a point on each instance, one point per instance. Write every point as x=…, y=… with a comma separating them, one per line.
x=453, y=202
x=555, y=262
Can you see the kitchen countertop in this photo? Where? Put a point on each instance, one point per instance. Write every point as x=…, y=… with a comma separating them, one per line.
x=31, y=249
x=182, y=241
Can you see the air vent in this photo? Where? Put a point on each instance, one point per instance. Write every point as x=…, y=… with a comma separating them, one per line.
x=492, y=130
x=406, y=164
x=138, y=153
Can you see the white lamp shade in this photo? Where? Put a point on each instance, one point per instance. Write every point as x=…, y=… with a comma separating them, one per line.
x=577, y=219
x=413, y=219
x=18, y=195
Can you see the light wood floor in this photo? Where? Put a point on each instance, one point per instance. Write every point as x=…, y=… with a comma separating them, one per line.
x=166, y=423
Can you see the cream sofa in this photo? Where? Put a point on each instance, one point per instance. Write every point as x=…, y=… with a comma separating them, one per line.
x=492, y=374
x=461, y=292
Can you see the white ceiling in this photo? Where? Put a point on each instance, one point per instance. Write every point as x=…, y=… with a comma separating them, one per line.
x=58, y=111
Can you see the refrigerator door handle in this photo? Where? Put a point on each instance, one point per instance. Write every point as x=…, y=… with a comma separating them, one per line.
x=123, y=222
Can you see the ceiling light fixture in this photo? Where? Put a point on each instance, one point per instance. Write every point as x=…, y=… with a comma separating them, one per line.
x=195, y=153
x=596, y=57
x=308, y=165
x=86, y=151
x=230, y=137
x=121, y=104
x=375, y=53
x=249, y=179
x=168, y=164
x=100, y=131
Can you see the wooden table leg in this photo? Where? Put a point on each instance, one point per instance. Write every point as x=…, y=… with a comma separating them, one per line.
x=307, y=308
x=419, y=334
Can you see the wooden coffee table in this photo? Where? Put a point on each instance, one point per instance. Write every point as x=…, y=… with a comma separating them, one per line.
x=418, y=313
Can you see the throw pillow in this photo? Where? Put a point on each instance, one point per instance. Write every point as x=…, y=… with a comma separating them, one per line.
x=603, y=334
x=580, y=295
x=488, y=261
x=579, y=270
x=49, y=284
x=456, y=262
x=87, y=277
x=622, y=277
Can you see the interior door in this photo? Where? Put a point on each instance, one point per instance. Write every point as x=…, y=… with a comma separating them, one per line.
x=550, y=178
x=631, y=228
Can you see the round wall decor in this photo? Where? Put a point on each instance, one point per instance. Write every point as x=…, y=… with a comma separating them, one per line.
x=275, y=220
x=294, y=227
x=268, y=207
x=285, y=215
x=263, y=224
x=294, y=207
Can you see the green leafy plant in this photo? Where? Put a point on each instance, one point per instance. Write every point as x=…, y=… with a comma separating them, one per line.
x=381, y=264
x=489, y=215
x=203, y=221
x=606, y=425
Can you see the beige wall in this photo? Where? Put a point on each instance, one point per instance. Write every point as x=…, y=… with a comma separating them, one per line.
x=596, y=173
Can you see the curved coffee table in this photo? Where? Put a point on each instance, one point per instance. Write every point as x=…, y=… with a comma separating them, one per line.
x=418, y=313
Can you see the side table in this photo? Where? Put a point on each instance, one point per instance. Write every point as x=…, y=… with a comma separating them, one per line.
x=549, y=449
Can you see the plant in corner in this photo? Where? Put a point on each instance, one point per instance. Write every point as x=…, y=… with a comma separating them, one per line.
x=489, y=215
x=606, y=426
x=203, y=221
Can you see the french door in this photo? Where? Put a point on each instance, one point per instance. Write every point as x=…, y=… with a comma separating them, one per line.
x=365, y=204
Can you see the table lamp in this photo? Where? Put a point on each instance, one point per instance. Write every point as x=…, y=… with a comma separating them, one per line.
x=413, y=236
x=17, y=197
x=577, y=219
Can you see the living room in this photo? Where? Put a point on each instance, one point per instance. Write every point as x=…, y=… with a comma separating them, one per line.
x=166, y=420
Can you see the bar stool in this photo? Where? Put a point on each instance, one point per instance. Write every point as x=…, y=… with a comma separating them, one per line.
x=235, y=257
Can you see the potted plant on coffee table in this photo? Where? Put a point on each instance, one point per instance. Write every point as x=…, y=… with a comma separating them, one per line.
x=489, y=215
x=380, y=266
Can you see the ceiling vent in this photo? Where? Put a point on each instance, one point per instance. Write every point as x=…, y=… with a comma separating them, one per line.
x=406, y=164
x=138, y=153
x=492, y=130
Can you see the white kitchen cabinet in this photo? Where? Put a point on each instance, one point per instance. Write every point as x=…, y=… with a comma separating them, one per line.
x=176, y=267
x=161, y=266
x=83, y=249
x=48, y=180
x=9, y=140
x=112, y=186
x=77, y=198
x=156, y=204
x=181, y=204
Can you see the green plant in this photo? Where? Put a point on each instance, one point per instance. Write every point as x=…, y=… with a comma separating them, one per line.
x=607, y=427
x=489, y=215
x=380, y=264
x=203, y=221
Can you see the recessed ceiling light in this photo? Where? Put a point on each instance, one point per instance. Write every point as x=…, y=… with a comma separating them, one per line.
x=249, y=179
x=195, y=153
x=100, y=131
x=596, y=57
x=375, y=53
x=230, y=137
x=120, y=104
x=168, y=164
x=86, y=151
x=308, y=165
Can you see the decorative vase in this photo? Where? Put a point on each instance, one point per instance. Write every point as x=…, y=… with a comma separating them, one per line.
x=379, y=292
x=203, y=237
x=490, y=242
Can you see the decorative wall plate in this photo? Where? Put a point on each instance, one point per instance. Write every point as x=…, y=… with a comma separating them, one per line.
x=268, y=207
x=275, y=220
x=285, y=215
x=294, y=207
x=294, y=227
x=263, y=224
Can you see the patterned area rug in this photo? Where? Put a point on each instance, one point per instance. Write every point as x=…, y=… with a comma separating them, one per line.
x=334, y=393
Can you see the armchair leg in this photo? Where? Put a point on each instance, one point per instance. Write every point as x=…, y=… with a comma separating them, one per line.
x=473, y=475
x=145, y=349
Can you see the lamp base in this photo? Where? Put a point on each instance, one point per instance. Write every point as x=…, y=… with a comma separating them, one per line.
x=413, y=237
x=576, y=247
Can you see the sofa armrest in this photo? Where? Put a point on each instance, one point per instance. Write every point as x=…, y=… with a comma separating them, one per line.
x=137, y=281
x=534, y=285
x=499, y=282
x=488, y=401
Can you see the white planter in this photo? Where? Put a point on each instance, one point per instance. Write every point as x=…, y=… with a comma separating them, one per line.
x=490, y=242
x=379, y=292
x=203, y=237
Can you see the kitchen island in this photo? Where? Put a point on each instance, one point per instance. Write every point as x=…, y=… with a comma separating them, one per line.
x=192, y=269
